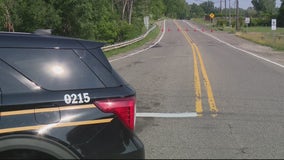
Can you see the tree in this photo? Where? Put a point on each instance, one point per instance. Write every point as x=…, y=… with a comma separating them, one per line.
x=158, y=8
x=208, y=7
x=105, y=21
x=101, y=20
x=125, y=9
x=5, y=10
x=76, y=17
x=280, y=18
x=196, y=11
x=251, y=12
x=9, y=15
x=34, y=15
x=264, y=6
x=176, y=9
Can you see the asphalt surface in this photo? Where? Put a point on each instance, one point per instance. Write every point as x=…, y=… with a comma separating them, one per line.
x=248, y=92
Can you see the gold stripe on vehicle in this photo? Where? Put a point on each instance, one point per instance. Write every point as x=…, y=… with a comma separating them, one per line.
x=55, y=125
x=41, y=110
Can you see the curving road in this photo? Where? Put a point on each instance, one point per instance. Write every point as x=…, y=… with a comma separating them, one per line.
x=200, y=98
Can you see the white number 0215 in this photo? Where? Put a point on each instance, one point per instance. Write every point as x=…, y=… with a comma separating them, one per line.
x=77, y=98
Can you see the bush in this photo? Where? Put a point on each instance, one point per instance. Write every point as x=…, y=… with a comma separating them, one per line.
x=221, y=22
x=262, y=21
x=128, y=31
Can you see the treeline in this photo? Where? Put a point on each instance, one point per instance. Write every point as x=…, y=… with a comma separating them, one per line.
x=101, y=20
x=117, y=20
x=260, y=14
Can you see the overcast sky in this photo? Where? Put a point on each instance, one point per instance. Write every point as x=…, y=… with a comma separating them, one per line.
x=242, y=3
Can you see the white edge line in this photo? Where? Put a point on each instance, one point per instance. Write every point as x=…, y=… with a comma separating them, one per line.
x=132, y=54
x=168, y=115
x=250, y=53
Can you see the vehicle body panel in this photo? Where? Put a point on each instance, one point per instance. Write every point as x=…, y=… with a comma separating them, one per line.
x=33, y=101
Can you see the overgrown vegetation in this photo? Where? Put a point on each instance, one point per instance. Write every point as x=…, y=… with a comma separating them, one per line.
x=150, y=37
x=108, y=21
x=260, y=14
x=112, y=21
x=259, y=28
x=270, y=39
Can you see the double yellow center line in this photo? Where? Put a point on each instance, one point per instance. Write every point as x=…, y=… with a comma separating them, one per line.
x=197, y=84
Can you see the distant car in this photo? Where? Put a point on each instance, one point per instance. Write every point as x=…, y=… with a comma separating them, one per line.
x=60, y=98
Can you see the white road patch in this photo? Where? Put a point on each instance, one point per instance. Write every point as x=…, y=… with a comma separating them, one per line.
x=168, y=115
x=250, y=53
x=132, y=54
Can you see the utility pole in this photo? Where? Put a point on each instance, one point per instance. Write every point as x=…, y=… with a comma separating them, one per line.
x=237, y=16
x=226, y=10
x=221, y=6
x=208, y=6
x=230, y=20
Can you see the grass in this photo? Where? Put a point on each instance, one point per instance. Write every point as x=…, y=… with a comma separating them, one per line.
x=263, y=29
x=208, y=24
x=198, y=20
x=273, y=40
x=151, y=36
x=264, y=36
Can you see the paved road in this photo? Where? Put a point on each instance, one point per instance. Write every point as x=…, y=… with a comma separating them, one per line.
x=246, y=119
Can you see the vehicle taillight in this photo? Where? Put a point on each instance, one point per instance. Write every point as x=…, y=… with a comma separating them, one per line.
x=124, y=108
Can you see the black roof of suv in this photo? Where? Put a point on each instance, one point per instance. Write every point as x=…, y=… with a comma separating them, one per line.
x=62, y=95
x=30, y=40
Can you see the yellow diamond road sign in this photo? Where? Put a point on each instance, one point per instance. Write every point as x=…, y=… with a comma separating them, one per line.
x=212, y=15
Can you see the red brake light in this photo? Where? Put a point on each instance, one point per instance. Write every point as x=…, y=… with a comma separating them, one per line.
x=124, y=108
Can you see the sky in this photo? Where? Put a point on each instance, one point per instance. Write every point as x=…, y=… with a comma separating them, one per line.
x=242, y=3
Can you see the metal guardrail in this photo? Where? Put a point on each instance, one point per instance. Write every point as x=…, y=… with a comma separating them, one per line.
x=126, y=43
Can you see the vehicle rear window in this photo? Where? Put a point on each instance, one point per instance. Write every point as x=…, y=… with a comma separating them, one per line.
x=52, y=69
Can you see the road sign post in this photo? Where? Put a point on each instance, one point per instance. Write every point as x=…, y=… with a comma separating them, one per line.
x=146, y=22
x=247, y=21
x=273, y=28
x=211, y=15
x=273, y=24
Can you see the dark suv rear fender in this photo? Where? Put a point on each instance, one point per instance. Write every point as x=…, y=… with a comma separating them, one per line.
x=36, y=143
